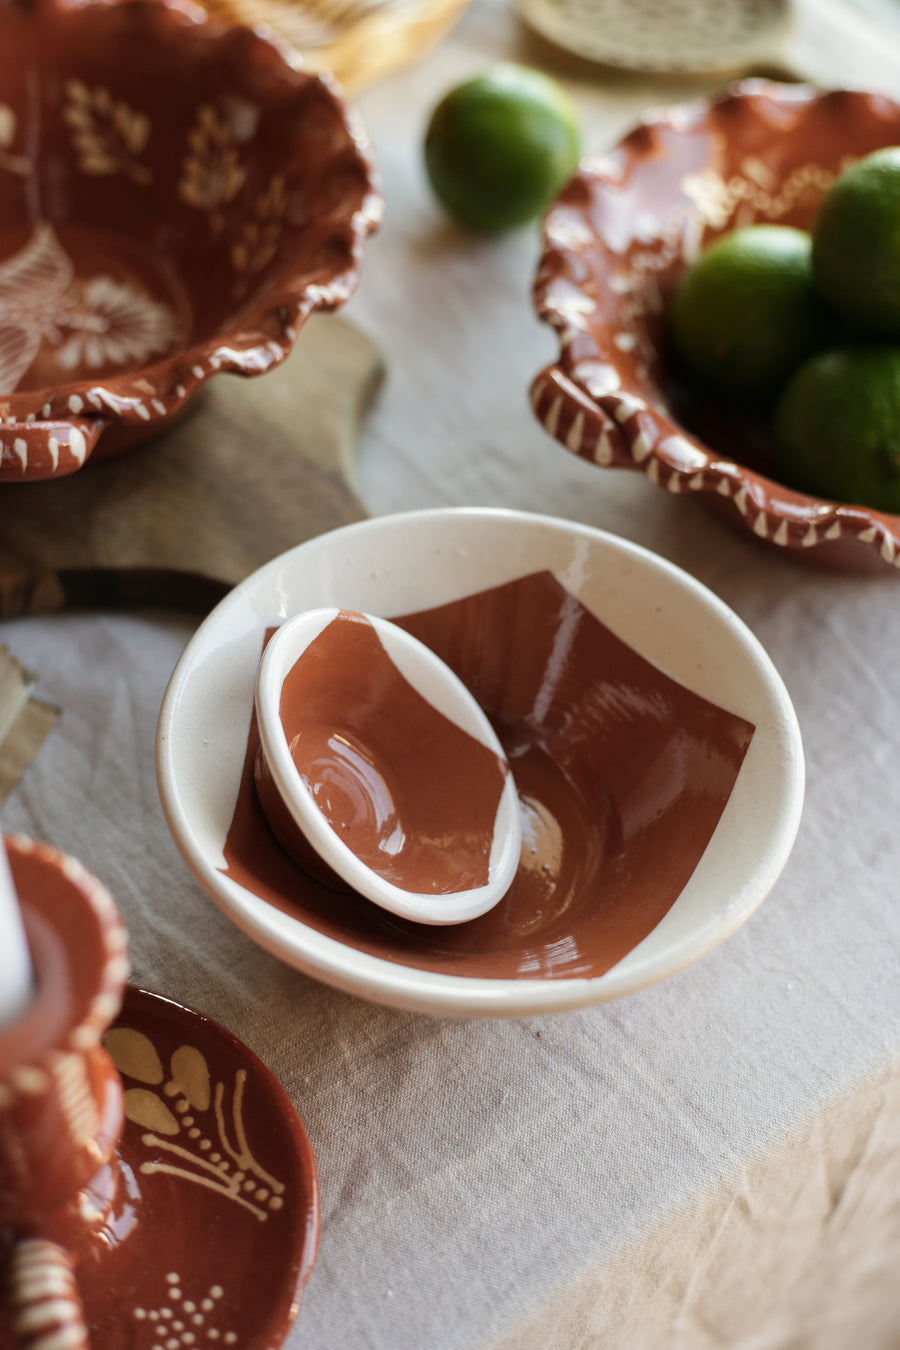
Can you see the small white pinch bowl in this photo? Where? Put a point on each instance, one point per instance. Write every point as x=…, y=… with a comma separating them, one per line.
x=517, y=960
x=439, y=686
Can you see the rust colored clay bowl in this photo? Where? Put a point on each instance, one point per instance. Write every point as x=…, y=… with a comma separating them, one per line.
x=616, y=241
x=175, y=198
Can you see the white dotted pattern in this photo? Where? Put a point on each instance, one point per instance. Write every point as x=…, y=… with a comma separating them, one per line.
x=190, y=1322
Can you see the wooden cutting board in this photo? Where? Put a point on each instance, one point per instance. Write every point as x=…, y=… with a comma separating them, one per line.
x=259, y=466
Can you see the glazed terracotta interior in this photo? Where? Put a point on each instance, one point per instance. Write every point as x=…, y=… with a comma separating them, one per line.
x=158, y=178
x=211, y=1137
x=413, y=795
x=181, y=1192
x=622, y=774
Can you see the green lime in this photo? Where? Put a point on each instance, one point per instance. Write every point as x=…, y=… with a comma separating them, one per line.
x=747, y=312
x=837, y=427
x=856, y=243
x=499, y=147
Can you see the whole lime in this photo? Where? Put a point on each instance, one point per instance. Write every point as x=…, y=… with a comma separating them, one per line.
x=499, y=147
x=837, y=426
x=747, y=312
x=856, y=243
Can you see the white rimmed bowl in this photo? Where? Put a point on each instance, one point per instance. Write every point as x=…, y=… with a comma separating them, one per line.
x=677, y=633
x=440, y=687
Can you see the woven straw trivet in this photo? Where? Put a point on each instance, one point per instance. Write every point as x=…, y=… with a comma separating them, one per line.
x=261, y=465
x=357, y=40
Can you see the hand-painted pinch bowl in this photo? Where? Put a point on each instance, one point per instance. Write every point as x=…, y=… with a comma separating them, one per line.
x=653, y=745
x=614, y=244
x=175, y=198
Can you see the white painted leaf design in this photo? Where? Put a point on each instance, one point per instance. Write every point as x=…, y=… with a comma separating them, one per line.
x=134, y=1054
x=143, y=1107
x=41, y=271
x=190, y=1073
x=20, y=342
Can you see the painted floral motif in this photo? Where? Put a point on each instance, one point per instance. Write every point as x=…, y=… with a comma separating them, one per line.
x=87, y=323
x=211, y=173
x=11, y=162
x=756, y=187
x=258, y=239
x=188, y=1131
x=108, y=135
x=183, y=1318
x=712, y=203
x=112, y=324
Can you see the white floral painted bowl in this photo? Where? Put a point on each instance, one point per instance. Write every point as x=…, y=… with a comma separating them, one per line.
x=615, y=242
x=175, y=198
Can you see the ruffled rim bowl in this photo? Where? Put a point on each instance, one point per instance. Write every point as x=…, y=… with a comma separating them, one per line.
x=614, y=243
x=165, y=229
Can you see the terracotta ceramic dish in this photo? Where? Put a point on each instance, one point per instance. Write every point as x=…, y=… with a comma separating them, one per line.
x=174, y=1202
x=615, y=243
x=175, y=198
x=653, y=746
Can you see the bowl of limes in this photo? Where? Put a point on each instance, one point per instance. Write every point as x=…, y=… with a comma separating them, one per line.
x=725, y=286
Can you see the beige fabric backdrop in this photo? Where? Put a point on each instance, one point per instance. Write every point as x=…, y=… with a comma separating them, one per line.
x=709, y=1163
x=798, y=1250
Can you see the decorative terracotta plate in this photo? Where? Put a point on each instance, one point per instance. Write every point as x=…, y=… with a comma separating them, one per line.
x=223, y=1195
x=171, y=1205
x=615, y=243
x=175, y=198
x=654, y=749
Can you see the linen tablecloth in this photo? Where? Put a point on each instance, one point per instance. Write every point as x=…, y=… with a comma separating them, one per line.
x=710, y=1163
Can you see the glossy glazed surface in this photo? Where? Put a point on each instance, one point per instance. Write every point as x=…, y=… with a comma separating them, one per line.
x=615, y=243
x=622, y=775
x=626, y=742
x=408, y=791
x=222, y=1183
x=155, y=1184
x=60, y=1102
x=61, y=1106
x=403, y=793
x=175, y=199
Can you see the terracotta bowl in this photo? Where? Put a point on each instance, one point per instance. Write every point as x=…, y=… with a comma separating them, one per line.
x=175, y=198
x=615, y=243
x=654, y=750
